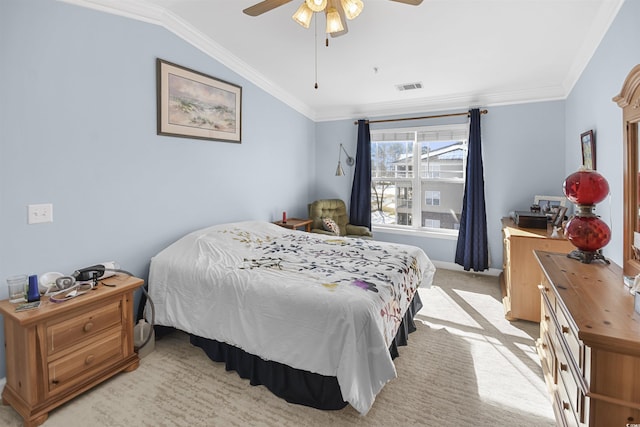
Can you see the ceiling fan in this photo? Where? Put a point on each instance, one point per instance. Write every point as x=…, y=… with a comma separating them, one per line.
x=335, y=11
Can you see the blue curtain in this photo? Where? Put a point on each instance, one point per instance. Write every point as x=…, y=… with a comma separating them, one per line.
x=472, y=251
x=360, y=210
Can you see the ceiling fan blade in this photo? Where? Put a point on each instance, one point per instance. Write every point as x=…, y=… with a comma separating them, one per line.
x=264, y=6
x=411, y=2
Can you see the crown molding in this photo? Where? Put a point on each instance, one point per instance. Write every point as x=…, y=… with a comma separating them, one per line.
x=444, y=103
x=592, y=41
x=145, y=12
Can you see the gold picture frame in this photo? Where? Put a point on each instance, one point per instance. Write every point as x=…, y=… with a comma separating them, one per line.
x=588, y=150
x=194, y=105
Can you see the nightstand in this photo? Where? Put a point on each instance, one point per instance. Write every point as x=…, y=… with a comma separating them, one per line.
x=295, y=223
x=60, y=350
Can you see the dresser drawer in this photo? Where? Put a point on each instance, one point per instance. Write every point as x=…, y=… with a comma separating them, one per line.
x=98, y=352
x=547, y=356
x=548, y=294
x=567, y=333
x=76, y=328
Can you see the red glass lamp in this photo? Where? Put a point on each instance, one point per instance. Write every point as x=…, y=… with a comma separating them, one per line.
x=586, y=231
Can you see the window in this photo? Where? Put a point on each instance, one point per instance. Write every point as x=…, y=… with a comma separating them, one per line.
x=432, y=198
x=433, y=195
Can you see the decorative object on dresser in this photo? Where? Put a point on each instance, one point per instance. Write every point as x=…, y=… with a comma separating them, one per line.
x=586, y=231
x=589, y=342
x=519, y=280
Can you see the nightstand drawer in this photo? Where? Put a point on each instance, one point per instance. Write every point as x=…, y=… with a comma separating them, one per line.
x=73, y=329
x=70, y=369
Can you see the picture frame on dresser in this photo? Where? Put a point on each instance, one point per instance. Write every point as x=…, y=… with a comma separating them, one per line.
x=549, y=204
x=558, y=216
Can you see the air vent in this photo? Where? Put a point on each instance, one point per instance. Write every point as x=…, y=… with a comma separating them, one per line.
x=409, y=86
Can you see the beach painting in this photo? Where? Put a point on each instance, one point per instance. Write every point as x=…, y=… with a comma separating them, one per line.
x=195, y=105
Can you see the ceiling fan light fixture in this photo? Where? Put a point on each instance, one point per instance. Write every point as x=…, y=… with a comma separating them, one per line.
x=316, y=5
x=352, y=8
x=334, y=22
x=303, y=15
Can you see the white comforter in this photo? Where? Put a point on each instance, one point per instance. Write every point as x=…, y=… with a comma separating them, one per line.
x=328, y=305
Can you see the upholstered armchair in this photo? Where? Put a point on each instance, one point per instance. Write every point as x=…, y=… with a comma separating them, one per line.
x=336, y=210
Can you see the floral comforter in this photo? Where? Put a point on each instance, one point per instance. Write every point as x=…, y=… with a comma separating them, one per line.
x=329, y=305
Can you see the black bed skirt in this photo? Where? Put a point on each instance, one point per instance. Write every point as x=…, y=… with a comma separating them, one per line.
x=295, y=385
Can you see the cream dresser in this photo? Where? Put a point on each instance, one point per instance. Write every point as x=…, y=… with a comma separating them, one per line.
x=60, y=350
x=519, y=280
x=589, y=342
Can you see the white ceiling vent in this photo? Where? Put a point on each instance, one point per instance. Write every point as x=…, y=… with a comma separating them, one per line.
x=409, y=86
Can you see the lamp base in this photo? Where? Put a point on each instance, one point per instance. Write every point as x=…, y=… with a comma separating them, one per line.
x=586, y=257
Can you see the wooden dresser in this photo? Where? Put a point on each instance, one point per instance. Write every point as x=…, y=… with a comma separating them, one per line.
x=589, y=342
x=59, y=350
x=520, y=278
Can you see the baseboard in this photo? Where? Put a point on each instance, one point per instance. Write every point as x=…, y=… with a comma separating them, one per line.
x=456, y=267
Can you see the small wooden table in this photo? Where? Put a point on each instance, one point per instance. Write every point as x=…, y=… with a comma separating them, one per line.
x=294, y=223
x=59, y=350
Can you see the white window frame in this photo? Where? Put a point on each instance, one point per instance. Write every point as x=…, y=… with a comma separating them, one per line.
x=418, y=228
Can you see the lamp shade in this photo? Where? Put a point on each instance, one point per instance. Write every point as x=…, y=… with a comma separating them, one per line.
x=585, y=187
x=303, y=15
x=334, y=22
x=352, y=8
x=316, y=5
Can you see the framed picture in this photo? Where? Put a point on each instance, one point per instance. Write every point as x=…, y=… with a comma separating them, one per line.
x=550, y=204
x=559, y=216
x=195, y=105
x=588, y=150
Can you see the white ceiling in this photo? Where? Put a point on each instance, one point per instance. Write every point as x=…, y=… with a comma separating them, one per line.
x=464, y=52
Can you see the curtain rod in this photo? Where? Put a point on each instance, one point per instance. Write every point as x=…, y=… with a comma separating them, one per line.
x=423, y=117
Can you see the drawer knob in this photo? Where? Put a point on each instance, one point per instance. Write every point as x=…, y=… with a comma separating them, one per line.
x=546, y=318
x=563, y=367
x=89, y=360
x=565, y=329
x=88, y=327
x=565, y=405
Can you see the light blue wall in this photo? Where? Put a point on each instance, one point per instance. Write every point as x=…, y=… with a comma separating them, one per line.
x=523, y=154
x=590, y=106
x=78, y=129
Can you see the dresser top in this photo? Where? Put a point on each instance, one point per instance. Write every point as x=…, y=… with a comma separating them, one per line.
x=509, y=225
x=596, y=298
x=119, y=284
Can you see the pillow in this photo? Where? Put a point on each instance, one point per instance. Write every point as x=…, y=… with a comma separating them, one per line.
x=330, y=225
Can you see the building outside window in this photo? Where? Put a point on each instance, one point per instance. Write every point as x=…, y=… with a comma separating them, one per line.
x=429, y=199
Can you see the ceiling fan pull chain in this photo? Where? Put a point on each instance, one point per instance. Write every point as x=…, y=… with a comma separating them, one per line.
x=315, y=45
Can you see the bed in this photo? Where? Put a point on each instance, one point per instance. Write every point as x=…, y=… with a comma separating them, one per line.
x=315, y=318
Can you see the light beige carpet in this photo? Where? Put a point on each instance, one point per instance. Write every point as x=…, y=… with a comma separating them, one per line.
x=464, y=366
